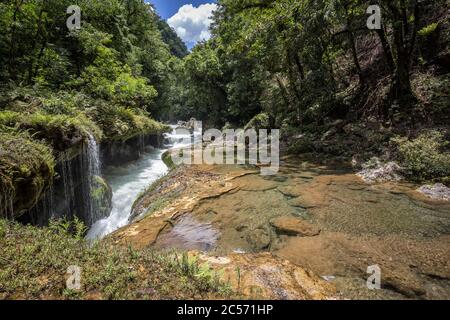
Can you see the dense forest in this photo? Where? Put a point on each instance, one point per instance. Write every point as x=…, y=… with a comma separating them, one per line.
x=108, y=79
x=333, y=86
x=123, y=53
x=304, y=62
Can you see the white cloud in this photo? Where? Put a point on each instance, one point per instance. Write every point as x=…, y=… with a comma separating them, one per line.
x=191, y=23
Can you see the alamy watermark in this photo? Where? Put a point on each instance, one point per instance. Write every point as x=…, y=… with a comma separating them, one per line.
x=216, y=147
x=74, y=21
x=374, y=20
x=73, y=282
x=374, y=280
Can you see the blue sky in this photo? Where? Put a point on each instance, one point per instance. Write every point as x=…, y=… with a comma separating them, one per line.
x=189, y=18
x=167, y=8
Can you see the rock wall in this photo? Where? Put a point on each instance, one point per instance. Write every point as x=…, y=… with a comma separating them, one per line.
x=70, y=195
x=79, y=191
x=118, y=152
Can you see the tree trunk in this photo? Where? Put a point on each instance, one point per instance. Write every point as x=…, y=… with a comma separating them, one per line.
x=284, y=93
x=292, y=76
x=31, y=74
x=12, y=42
x=386, y=48
x=402, y=80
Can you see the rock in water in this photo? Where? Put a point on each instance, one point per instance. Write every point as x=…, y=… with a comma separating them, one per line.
x=101, y=194
x=294, y=227
x=259, y=239
x=375, y=171
x=436, y=192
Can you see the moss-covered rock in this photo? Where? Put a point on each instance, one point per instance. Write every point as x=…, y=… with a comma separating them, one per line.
x=60, y=131
x=120, y=123
x=102, y=194
x=167, y=159
x=41, y=127
x=26, y=170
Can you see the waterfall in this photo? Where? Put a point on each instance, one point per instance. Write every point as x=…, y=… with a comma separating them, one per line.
x=76, y=190
x=141, y=141
x=68, y=181
x=94, y=165
x=43, y=211
x=131, y=179
x=6, y=203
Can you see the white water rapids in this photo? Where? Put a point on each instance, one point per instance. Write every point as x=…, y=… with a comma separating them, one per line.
x=129, y=180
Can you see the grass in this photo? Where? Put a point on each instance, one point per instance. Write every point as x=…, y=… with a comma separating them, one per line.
x=34, y=263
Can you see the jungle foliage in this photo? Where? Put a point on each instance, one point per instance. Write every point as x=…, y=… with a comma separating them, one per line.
x=109, y=79
x=122, y=54
x=306, y=63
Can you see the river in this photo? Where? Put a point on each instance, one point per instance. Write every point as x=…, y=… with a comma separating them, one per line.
x=129, y=180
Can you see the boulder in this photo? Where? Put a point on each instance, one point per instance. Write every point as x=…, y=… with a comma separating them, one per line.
x=436, y=192
x=101, y=194
x=375, y=171
x=259, y=239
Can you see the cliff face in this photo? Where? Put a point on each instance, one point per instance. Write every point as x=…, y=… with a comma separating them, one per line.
x=77, y=189
x=50, y=162
x=74, y=190
x=117, y=152
x=26, y=168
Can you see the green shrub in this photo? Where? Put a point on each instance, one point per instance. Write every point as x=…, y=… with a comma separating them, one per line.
x=424, y=157
x=302, y=144
x=51, y=115
x=120, y=123
x=260, y=121
x=50, y=125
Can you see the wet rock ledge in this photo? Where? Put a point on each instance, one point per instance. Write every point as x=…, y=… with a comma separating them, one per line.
x=255, y=275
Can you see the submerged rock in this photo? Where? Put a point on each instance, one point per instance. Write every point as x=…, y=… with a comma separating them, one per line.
x=376, y=171
x=259, y=239
x=294, y=227
x=436, y=192
x=189, y=125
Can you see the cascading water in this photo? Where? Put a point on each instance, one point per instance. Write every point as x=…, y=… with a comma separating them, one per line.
x=93, y=160
x=44, y=209
x=72, y=192
x=128, y=181
x=6, y=203
x=68, y=181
